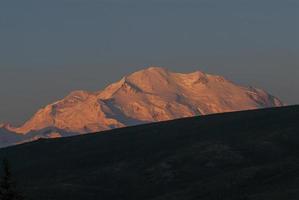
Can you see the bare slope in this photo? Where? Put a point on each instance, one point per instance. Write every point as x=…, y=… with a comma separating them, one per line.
x=251, y=155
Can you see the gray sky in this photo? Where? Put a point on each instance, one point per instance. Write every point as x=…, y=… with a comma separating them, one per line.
x=51, y=47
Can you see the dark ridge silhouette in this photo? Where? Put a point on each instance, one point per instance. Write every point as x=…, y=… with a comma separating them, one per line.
x=249, y=155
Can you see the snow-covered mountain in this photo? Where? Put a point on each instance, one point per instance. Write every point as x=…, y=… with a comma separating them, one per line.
x=150, y=95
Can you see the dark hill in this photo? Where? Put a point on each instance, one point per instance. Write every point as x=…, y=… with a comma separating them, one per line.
x=233, y=156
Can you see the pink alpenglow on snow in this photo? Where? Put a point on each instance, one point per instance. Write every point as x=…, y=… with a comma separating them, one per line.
x=150, y=95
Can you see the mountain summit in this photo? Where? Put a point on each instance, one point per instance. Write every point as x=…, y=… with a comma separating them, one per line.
x=150, y=95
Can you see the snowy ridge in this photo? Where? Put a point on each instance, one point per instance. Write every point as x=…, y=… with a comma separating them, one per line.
x=149, y=95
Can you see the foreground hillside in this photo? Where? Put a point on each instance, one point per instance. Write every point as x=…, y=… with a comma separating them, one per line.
x=243, y=155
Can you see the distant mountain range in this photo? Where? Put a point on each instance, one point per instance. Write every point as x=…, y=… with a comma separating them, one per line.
x=150, y=95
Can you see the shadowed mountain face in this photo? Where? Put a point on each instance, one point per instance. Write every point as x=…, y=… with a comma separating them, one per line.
x=150, y=95
x=250, y=155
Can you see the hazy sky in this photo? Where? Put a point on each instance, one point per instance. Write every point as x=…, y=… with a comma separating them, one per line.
x=51, y=47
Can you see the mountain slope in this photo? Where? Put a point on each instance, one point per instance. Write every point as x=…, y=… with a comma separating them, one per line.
x=150, y=95
x=250, y=155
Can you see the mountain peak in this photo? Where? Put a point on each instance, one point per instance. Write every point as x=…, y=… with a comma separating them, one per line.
x=149, y=95
x=155, y=69
x=150, y=71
